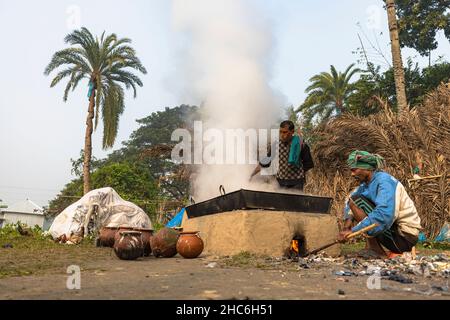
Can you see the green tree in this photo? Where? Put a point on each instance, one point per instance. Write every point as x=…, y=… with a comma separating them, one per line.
x=151, y=144
x=328, y=95
x=77, y=165
x=154, y=130
x=434, y=75
x=133, y=182
x=376, y=84
x=106, y=62
x=420, y=21
x=71, y=192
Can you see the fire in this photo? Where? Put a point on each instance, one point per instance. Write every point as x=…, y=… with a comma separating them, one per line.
x=294, y=246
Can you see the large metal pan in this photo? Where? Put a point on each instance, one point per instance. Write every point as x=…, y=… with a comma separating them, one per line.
x=248, y=200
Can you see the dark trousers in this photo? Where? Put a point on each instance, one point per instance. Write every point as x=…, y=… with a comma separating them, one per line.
x=292, y=184
x=394, y=242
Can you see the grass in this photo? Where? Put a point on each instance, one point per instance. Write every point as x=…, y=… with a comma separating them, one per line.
x=426, y=248
x=39, y=254
x=244, y=259
x=247, y=260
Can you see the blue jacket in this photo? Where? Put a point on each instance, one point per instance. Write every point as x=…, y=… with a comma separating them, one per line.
x=381, y=190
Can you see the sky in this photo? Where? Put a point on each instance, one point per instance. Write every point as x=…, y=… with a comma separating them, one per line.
x=39, y=133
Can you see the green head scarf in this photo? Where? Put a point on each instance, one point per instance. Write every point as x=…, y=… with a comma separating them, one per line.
x=365, y=160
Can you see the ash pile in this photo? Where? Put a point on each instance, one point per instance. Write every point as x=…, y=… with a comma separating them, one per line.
x=427, y=275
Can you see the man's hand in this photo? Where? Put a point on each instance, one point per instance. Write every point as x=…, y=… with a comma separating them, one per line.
x=342, y=237
x=348, y=224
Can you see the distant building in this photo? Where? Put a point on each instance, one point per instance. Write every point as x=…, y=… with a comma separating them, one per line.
x=26, y=212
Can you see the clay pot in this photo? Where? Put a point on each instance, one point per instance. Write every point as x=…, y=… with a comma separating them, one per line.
x=117, y=235
x=128, y=245
x=190, y=245
x=164, y=243
x=106, y=236
x=147, y=234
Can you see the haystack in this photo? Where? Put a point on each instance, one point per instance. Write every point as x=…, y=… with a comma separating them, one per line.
x=419, y=137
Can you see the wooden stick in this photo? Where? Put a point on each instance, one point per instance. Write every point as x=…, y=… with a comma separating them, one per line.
x=351, y=235
x=424, y=178
x=357, y=233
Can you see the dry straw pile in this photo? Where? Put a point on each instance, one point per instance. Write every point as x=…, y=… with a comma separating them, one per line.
x=419, y=137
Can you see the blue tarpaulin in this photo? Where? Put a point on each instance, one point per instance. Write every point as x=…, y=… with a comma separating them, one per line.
x=443, y=236
x=177, y=220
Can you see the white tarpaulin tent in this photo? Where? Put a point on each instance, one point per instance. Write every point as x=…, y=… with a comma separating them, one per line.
x=105, y=208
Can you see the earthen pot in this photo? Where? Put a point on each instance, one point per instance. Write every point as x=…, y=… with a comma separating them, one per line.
x=123, y=228
x=164, y=243
x=147, y=234
x=128, y=245
x=190, y=245
x=106, y=236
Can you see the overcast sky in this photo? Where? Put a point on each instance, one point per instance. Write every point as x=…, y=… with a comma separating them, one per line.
x=40, y=133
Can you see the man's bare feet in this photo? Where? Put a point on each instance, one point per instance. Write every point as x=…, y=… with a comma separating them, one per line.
x=375, y=246
x=370, y=254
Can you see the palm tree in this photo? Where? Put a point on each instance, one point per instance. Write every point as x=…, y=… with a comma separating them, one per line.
x=399, y=73
x=106, y=63
x=328, y=94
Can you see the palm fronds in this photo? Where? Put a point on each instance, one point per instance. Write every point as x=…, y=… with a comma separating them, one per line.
x=421, y=133
x=327, y=95
x=108, y=63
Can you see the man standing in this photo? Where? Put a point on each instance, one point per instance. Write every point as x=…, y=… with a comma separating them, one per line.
x=294, y=158
x=383, y=200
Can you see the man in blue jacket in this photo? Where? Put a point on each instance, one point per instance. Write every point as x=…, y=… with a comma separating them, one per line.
x=386, y=203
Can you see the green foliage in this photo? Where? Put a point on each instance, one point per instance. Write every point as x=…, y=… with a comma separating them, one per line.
x=434, y=75
x=327, y=95
x=382, y=84
x=39, y=253
x=106, y=62
x=133, y=182
x=434, y=246
x=156, y=130
x=134, y=176
x=157, y=226
x=420, y=20
x=10, y=232
x=158, y=127
x=77, y=164
x=291, y=114
x=71, y=192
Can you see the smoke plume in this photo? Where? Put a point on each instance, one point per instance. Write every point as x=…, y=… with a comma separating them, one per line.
x=226, y=67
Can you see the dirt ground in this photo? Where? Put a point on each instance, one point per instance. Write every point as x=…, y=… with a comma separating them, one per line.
x=103, y=276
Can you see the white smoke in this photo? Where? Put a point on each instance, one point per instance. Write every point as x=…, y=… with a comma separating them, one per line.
x=226, y=66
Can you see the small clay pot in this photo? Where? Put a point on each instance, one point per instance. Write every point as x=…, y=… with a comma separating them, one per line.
x=117, y=235
x=128, y=245
x=147, y=234
x=190, y=245
x=106, y=236
x=164, y=243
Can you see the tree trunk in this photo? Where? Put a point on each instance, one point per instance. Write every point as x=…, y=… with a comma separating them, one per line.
x=399, y=73
x=340, y=106
x=88, y=145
